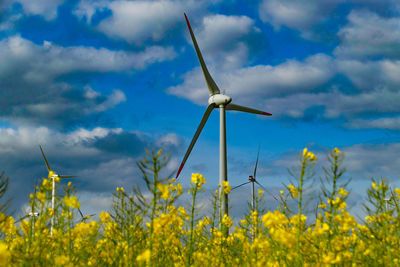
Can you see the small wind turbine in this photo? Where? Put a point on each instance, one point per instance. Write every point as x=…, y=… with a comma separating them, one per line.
x=84, y=218
x=223, y=102
x=52, y=175
x=252, y=180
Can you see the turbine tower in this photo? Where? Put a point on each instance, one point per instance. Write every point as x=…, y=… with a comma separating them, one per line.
x=52, y=175
x=223, y=102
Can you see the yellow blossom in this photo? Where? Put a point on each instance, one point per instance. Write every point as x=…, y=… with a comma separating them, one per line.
x=342, y=192
x=144, y=257
x=164, y=189
x=305, y=152
x=260, y=192
x=227, y=221
x=336, y=150
x=41, y=196
x=198, y=179
x=293, y=191
x=5, y=255
x=397, y=191
x=72, y=202
x=226, y=187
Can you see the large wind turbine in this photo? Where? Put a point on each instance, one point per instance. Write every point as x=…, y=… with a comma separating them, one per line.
x=223, y=102
x=52, y=175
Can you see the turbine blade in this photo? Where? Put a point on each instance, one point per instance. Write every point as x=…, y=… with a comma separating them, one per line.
x=66, y=176
x=255, y=168
x=196, y=135
x=80, y=212
x=246, y=109
x=266, y=190
x=239, y=185
x=45, y=160
x=212, y=86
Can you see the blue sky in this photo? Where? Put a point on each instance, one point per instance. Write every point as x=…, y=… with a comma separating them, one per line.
x=96, y=82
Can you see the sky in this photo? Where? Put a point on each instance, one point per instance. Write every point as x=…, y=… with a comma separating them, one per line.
x=97, y=82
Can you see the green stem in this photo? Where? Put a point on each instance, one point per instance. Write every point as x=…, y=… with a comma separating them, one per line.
x=191, y=226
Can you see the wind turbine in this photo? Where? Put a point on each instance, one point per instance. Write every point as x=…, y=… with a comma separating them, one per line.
x=252, y=180
x=223, y=102
x=84, y=218
x=52, y=175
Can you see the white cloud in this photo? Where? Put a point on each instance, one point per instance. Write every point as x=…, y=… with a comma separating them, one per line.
x=45, y=8
x=298, y=14
x=138, y=21
x=222, y=39
x=369, y=35
x=43, y=63
x=260, y=81
x=369, y=75
x=336, y=104
x=391, y=123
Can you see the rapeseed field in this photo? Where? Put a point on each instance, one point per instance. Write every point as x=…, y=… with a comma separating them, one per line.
x=156, y=231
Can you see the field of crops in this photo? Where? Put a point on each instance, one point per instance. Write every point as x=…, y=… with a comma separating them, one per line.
x=143, y=231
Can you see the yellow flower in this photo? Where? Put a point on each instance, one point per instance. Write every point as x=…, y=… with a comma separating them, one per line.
x=281, y=192
x=61, y=260
x=336, y=150
x=260, y=192
x=293, y=191
x=305, y=152
x=397, y=191
x=41, y=196
x=72, y=202
x=342, y=192
x=308, y=155
x=104, y=216
x=5, y=255
x=144, y=257
x=227, y=188
x=164, y=189
x=373, y=185
x=342, y=205
x=198, y=179
x=322, y=205
x=227, y=221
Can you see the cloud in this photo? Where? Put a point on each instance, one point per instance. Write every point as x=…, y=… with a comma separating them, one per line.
x=136, y=21
x=389, y=123
x=366, y=161
x=41, y=63
x=260, y=81
x=223, y=39
x=370, y=75
x=301, y=15
x=316, y=18
x=336, y=104
x=368, y=35
x=32, y=79
x=45, y=8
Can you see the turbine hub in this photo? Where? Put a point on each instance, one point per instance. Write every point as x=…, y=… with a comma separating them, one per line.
x=219, y=99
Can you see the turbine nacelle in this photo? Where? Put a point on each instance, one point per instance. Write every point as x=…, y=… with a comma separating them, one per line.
x=219, y=99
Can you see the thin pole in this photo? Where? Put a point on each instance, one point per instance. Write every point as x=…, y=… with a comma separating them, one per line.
x=252, y=208
x=252, y=197
x=52, y=204
x=222, y=161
